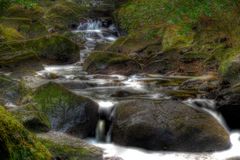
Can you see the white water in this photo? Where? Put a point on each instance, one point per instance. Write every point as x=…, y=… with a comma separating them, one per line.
x=127, y=153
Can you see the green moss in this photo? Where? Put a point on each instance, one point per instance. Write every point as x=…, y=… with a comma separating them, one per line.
x=18, y=142
x=32, y=118
x=64, y=150
x=173, y=39
x=56, y=48
x=138, y=41
x=99, y=59
x=9, y=34
x=34, y=13
x=25, y=26
x=51, y=95
x=63, y=14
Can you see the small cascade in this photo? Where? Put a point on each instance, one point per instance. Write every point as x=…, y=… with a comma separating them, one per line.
x=95, y=31
x=105, y=119
x=100, y=131
x=209, y=106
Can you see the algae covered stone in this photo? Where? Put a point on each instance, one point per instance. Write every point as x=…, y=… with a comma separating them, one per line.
x=167, y=125
x=67, y=111
x=53, y=48
x=63, y=14
x=67, y=147
x=17, y=142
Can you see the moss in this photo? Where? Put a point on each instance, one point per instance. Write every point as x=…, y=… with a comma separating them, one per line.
x=25, y=26
x=63, y=14
x=63, y=150
x=174, y=39
x=11, y=90
x=55, y=48
x=71, y=148
x=9, y=34
x=51, y=95
x=32, y=118
x=99, y=59
x=139, y=41
x=34, y=13
x=18, y=142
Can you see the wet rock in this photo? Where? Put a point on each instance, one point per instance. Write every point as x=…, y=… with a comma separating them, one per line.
x=17, y=142
x=63, y=146
x=66, y=111
x=167, y=125
x=206, y=83
x=234, y=158
x=110, y=63
x=113, y=158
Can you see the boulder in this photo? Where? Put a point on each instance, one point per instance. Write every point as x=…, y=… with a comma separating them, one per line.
x=110, y=63
x=67, y=111
x=63, y=146
x=52, y=48
x=17, y=142
x=167, y=125
x=62, y=15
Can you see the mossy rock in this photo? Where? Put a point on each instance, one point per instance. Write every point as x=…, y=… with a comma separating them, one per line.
x=11, y=91
x=25, y=26
x=64, y=13
x=67, y=111
x=141, y=41
x=230, y=69
x=53, y=48
x=34, y=13
x=67, y=147
x=17, y=142
x=32, y=118
x=9, y=34
x=167, y=125
x=110, y=63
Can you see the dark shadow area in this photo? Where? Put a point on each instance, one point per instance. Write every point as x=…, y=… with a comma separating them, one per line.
x=3, y=151
x=231, y=115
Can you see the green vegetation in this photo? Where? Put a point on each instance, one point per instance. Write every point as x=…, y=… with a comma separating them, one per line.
x=18, y=143
x=140, y=13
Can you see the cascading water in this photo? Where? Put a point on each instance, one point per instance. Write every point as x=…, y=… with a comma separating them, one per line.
x=93, y=32
x=107, y=90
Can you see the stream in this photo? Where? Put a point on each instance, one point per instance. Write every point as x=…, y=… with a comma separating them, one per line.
x=108, y=90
